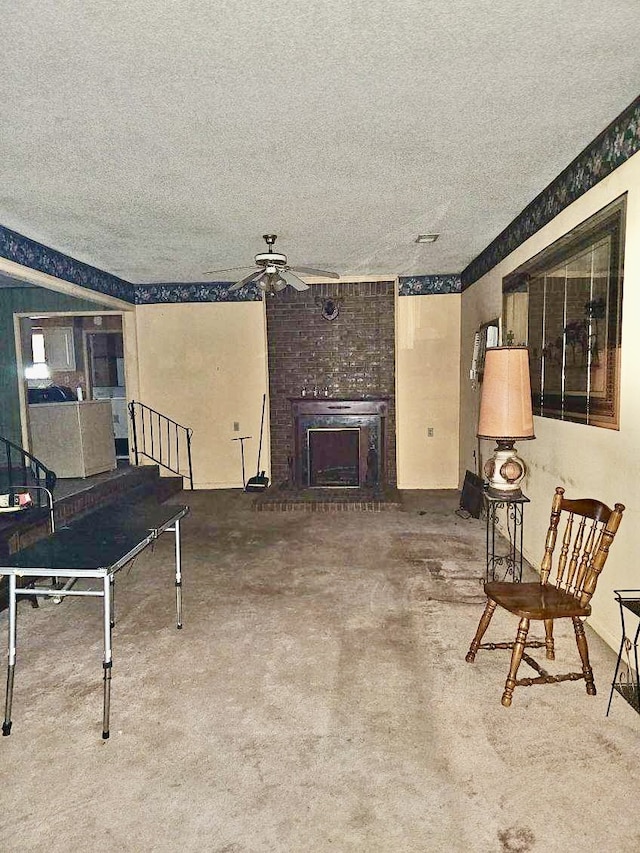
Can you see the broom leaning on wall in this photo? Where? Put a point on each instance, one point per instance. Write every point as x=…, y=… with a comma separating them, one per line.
x=260, y=482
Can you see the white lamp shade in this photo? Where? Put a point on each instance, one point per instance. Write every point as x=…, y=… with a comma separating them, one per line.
x=505, y=404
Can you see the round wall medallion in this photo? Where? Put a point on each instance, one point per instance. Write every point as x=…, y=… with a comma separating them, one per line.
x=330, y=308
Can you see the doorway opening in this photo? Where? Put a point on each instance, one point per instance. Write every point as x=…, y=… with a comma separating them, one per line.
x=74, y=358
x=105, y=379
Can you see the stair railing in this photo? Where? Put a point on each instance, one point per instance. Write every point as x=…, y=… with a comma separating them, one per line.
x=21, y=470
x=161, y=439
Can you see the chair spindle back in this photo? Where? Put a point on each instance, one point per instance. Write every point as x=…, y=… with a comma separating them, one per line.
x=588, y=533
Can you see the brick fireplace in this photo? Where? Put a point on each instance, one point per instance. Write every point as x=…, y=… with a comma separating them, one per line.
x=339, y=442
x=332, y=376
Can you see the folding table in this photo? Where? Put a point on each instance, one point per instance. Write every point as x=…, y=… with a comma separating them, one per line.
x=95, y=547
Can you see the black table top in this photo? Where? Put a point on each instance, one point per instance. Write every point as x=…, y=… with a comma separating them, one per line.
x=100, y=540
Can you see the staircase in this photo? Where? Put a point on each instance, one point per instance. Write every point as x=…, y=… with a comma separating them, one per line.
x=19, y=470
x=161, y=439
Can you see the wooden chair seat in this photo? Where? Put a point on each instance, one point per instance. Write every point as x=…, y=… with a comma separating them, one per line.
x=588, y=534
x=535, y=600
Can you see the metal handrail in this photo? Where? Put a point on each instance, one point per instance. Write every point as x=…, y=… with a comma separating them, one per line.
x=29, y=472
x=161, y=439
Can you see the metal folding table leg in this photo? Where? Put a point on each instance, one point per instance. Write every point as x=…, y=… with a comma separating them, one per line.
x=178, y=575
x=107, y=662
x=112, y=612
x=6, y=726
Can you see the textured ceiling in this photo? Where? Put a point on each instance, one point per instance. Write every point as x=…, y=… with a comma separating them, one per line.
x=156, y=139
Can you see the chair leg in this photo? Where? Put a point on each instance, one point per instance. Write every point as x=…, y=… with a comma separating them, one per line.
x=516, y=657
x=548, y=630
x=581, y=640
x=483, y=624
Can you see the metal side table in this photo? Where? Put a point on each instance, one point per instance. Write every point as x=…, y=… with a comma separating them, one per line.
x=625, y=678
x=501, y=566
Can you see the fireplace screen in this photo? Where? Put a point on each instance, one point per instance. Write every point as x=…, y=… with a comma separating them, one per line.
x=334, y=457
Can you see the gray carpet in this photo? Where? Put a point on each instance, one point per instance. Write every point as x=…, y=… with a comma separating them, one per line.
x=317, y=699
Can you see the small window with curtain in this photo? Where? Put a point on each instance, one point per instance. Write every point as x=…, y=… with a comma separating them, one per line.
x=566, y=306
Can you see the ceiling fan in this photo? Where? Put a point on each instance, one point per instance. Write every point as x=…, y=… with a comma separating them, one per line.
x=273, y=273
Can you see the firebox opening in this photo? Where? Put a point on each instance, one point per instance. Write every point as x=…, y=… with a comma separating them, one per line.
x=334, y=457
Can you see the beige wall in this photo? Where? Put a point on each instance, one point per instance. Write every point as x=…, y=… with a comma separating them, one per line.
x=479, y=304
x=427, y=390
x=204, y=366
x=587, y=461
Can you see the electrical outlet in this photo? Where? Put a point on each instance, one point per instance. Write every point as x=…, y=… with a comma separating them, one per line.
x=429, y=432
x=236, y=426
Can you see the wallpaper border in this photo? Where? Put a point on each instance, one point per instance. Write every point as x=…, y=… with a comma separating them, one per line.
x=429, y=285
x=205, y=291
x=29, y=253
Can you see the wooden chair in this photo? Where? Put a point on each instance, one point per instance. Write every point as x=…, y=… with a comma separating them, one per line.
x=589, y=531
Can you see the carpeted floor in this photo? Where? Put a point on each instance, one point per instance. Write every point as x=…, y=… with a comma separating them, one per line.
x=317, y=699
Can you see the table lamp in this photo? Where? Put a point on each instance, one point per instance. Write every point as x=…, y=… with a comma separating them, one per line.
x=506, y=416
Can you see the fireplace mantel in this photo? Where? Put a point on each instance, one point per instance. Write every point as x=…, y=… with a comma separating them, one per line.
x=339, y=405
x=368, y=414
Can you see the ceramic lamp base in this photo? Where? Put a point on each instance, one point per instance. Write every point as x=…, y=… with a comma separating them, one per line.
x=505, y=471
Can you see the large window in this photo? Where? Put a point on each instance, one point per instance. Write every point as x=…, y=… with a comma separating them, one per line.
x=565, y=305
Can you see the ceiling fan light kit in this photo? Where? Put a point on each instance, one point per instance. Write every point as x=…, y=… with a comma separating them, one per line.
x=273, y=272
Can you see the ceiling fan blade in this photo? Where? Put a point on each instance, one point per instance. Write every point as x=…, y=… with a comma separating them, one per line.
x=292, y=279
x=230, y=269
x=245, y=280
x=312, y=271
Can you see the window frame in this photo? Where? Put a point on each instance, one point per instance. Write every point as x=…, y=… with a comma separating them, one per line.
x=598, y=403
